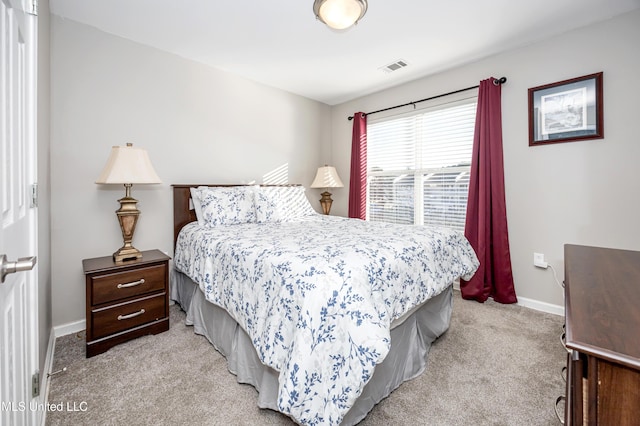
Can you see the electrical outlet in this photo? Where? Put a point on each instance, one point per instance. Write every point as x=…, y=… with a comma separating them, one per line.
x=538, y=260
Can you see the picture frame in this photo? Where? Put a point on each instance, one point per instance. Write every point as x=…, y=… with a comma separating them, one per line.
x=566, y=111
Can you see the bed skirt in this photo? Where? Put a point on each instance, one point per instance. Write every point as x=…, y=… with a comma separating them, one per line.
x=407, y=359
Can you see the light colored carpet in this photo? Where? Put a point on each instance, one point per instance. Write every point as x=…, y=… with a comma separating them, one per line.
x=496, y=365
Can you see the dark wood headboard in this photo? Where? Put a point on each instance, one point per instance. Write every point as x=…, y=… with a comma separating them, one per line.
x=183, y=212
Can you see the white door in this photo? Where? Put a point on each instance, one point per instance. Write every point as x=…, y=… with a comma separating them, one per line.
x=18, y=231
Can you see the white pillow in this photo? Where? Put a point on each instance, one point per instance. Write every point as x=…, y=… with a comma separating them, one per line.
x=226, y=205
x=296, y=202
x=195, y=200
x=282, y=203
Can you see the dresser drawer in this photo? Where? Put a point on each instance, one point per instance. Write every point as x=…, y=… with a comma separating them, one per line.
x=121, y=285
x=120, y=317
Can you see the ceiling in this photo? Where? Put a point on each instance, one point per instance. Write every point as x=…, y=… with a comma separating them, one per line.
x=279, y=43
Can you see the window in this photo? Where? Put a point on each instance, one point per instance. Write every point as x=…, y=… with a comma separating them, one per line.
x=419, y=165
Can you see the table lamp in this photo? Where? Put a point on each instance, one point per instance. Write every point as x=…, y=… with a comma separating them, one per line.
x=128, y=166
x=326, y=177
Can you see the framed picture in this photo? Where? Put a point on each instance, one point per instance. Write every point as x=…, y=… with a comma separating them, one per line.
x=566, y=111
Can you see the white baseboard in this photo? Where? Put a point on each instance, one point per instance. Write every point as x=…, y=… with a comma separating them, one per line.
x=70, y=328
x=541, y=306
x=48, y=366
x=530, y=303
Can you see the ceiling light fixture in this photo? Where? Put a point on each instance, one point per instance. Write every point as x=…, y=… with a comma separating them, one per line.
x=340, y=14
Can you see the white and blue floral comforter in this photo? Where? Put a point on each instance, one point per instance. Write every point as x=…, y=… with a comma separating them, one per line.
x=317, y=296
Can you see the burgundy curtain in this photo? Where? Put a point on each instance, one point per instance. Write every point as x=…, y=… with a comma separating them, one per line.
x=358, y=177
x=486, y=223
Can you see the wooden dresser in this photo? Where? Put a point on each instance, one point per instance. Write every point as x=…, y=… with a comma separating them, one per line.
x=126, y=299
x=602, y=309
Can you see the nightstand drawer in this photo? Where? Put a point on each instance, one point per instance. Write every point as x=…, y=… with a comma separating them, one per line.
x=116, y=318
x=122, y=285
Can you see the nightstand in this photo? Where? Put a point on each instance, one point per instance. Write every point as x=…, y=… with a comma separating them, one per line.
x=126, y=299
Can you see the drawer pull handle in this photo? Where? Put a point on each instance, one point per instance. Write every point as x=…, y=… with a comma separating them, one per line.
x=561, y=418
x=129, y=316
x=132, y=284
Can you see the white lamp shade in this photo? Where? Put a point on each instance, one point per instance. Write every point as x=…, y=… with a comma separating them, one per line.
x=340, y=14
x=327, y=177
x=128, y=165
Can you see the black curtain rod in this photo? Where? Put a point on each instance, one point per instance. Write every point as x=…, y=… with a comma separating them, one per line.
x=496, y=81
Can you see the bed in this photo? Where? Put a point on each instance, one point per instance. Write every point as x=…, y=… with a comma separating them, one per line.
x=324, y=316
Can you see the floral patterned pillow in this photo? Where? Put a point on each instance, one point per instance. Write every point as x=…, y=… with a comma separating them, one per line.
x=226, y=205
x=267, y=205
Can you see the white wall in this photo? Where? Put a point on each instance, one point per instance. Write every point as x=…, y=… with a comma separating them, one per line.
x=579, y=192
x=198, y=124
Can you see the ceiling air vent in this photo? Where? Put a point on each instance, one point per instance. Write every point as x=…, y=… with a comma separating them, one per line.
x=394, y=66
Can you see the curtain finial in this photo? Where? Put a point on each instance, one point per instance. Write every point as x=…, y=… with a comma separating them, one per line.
x=499, y=81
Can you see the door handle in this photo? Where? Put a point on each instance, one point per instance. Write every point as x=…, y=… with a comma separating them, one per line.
x=22, y=264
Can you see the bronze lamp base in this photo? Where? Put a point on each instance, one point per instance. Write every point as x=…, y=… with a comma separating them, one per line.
x=326, y=202
x=127, y=217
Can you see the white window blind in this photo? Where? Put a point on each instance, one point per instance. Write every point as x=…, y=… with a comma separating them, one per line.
x=419, y=164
